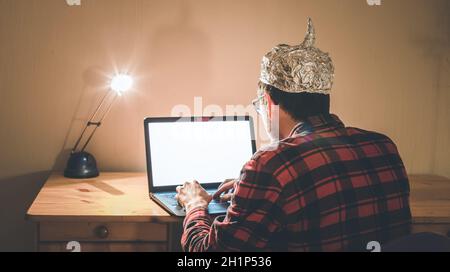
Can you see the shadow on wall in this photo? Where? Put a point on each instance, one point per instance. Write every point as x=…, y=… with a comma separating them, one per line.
x=180, y=56
x=16, y=196
x=94, y=78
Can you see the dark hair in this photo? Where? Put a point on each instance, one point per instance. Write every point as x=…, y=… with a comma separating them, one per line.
x=299, y=105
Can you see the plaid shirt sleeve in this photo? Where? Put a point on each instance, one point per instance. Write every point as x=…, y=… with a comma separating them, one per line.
x=250, y=220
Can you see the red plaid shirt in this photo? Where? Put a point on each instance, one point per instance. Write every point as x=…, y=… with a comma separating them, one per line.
x=324, y=188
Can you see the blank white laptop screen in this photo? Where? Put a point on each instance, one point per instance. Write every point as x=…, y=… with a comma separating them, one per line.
x=208, y=152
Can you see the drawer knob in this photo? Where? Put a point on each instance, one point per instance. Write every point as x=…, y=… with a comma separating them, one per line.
x=102, y=232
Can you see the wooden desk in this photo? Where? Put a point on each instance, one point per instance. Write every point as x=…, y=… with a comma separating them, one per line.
x=114, y=213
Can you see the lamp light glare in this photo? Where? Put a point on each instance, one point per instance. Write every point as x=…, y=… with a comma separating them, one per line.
x=121, y=83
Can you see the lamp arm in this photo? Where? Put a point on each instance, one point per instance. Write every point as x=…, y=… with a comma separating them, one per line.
x=99, y=123
x=91, y=122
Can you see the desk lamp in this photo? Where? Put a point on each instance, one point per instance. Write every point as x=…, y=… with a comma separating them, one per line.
x=82, y=164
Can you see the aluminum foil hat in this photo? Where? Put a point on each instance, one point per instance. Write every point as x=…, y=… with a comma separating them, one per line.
x=300, y=68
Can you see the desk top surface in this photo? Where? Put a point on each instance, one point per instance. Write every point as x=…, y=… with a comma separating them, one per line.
x=115, y=197
x=109, y=197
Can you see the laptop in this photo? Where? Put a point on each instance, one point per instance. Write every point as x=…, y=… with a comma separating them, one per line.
x=207, y=149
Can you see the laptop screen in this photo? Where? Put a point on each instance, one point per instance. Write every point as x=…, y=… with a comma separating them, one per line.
x=209, y=150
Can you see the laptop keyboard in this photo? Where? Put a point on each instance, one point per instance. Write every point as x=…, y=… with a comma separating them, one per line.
x=170, y=198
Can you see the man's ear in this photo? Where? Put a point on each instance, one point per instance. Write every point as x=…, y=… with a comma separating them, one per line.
x=269, y=104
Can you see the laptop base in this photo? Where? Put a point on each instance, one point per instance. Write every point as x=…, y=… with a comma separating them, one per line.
x=168, y=202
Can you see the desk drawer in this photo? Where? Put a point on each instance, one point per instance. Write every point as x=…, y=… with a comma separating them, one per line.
x=101, y=232
x=443, y=229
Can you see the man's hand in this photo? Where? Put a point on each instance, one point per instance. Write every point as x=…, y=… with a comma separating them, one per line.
x=224, y=189
x=192, y=195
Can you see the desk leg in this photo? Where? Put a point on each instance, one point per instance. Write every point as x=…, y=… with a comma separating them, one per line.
x=175, y=231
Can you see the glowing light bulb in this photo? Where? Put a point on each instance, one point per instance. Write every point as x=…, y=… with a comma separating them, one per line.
x=121, y=83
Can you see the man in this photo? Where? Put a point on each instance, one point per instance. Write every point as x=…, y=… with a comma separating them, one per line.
x=322, y=187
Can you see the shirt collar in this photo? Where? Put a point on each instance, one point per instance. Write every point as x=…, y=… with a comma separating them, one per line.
x=317, y=124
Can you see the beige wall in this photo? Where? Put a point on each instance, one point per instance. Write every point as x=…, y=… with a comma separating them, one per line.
x=392, y=70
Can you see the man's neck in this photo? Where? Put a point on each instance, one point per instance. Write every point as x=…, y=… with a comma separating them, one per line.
x=287, y=124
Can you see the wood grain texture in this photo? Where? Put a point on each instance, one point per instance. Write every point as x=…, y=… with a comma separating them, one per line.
x=430, y=199
x=111, y=197
x=442, y=229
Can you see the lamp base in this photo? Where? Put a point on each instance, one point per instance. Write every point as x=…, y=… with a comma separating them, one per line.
x=81, y=165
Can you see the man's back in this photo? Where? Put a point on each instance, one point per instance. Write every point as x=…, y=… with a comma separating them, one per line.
x=342, y=187
x=323, y=188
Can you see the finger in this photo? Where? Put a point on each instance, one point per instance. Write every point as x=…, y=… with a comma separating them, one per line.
x=226, y=197
x=217, y=194
x=224, y=188
x=226, y=182
x=179, y=201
